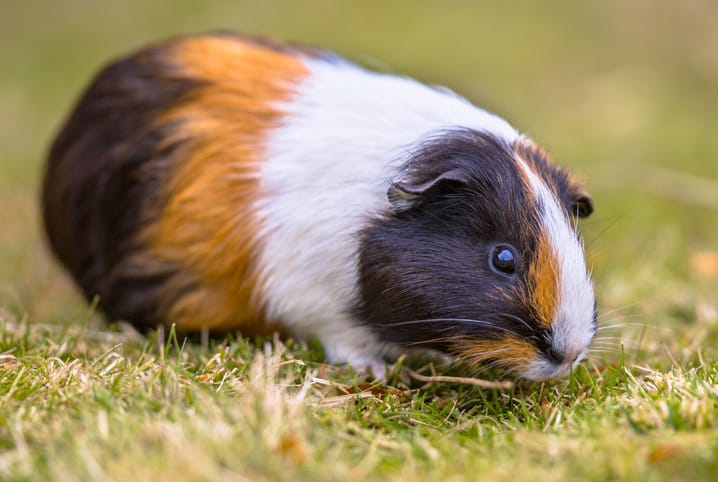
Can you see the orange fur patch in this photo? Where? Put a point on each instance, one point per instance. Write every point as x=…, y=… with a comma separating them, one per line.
x=508, y=352
x=544, y=282
x=206, y=226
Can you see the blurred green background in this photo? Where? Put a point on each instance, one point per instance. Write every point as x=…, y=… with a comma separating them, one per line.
x=625, y=93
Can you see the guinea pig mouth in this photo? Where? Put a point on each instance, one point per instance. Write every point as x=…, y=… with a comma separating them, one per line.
x=544, y=369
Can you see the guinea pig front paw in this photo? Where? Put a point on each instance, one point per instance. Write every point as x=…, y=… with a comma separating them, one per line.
x=364, y=362
x=370, y=367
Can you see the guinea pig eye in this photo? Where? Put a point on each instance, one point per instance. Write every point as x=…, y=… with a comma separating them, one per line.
x=503, y=259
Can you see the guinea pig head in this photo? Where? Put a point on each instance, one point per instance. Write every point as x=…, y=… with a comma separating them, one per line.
x=479, y=257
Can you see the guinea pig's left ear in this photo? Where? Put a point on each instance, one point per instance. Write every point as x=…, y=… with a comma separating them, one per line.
x=404, y=195
x=581, y=202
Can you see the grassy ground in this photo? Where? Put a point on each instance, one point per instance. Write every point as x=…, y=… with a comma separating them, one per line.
x=624, y=93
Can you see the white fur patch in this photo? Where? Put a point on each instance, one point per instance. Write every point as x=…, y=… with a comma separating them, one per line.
x=572, y=326
x=326, y=172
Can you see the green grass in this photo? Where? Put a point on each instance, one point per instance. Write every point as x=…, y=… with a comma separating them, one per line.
x=624, y=93
x=87, y=404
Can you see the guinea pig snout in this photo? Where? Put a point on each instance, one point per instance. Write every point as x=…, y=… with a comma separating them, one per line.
x=565, y=346
x=564, y=350
x=563, y=358
x=553, y=363
x=557, y=356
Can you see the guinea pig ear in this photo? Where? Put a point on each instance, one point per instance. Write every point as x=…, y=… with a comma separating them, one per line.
x=581, y=202
x=404, y=195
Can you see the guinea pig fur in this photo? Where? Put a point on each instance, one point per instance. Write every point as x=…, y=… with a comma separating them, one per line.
x=224, y=182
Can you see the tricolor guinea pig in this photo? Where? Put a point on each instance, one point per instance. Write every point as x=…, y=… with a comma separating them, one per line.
x=223, y=182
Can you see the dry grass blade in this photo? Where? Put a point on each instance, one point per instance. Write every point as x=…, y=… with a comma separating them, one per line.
x=478, y=382
x=344, y=399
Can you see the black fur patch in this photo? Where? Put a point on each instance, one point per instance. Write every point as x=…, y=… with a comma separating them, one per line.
x=103, y=175
x=431, y=262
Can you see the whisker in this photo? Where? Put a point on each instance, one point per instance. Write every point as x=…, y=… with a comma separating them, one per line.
x=467, y=321
x=615, y=326
x=622, y=316
x=493, y=364
x=432, y=340
x=619, y=309
x=514, y=317
x=613, y=222
x=608, y=343
x=606, y=347
x=439, y=320
x=492, y=353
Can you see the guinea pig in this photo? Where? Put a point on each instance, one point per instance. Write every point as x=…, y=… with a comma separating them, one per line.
x=225, y=182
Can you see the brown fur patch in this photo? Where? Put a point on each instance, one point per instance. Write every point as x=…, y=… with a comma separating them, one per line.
x=507, y=352
x=206, y=226
x=543, y=280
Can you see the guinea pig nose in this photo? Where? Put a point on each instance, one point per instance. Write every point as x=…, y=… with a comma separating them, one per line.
x=555, y=356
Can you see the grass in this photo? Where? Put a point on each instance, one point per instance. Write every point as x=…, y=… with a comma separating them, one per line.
x=79, y=403
x=624, y=94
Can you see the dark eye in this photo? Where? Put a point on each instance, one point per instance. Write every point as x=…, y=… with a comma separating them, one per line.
x=503, y=259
